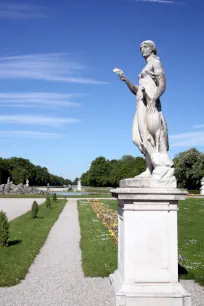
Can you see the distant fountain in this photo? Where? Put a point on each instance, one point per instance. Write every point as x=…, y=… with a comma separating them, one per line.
x=79, y=185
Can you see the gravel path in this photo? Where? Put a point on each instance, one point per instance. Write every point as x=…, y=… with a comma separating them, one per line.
x=56, y=276
x=17, y=207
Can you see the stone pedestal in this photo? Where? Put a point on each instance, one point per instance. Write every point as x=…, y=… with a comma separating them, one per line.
x=147, y=273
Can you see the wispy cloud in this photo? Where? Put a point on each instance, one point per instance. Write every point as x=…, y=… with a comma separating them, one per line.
x=190, y=139
x=31, y=134
x=38, y=99
x=198, y=126
x=12, y=10
x=47, y=67
x=159, y=1
x=36, y=120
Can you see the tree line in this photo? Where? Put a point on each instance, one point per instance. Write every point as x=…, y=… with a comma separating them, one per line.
x=189, y=170
x=20, y=169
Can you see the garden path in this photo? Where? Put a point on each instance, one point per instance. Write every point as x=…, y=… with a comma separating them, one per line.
x=56, y=277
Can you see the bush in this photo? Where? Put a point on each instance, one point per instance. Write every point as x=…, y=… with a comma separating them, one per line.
x=54, y=197
x=48, y=202
x=35, y=209
x=4, y=229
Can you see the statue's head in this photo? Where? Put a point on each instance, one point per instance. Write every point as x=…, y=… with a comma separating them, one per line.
x=147, y=48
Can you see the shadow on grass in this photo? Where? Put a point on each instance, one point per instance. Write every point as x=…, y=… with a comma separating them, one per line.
x=14, y=242
x=182, y=270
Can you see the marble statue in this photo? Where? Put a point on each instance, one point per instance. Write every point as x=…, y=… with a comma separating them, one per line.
x=27, y=183
x=202, y=187
x=8, y=180
x=79, y=185
x=149, y=131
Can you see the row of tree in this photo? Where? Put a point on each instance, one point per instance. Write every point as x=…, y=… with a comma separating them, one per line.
x=105, y=173
x=189, y=170
x=20, y=169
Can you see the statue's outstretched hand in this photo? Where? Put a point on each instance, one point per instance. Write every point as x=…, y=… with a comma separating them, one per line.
x=122, y=77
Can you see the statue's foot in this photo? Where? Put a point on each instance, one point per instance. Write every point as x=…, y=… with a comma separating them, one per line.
x=146, y=173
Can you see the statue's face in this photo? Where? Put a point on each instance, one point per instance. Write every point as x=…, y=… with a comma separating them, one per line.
x=146, y=50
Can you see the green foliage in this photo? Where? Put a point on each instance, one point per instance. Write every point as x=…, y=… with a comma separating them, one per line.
x=104, y=173
x=34, y=209
x=20, y=169
x=26, y=238
x=48, y=202
x=4, y=229
x=54, y=198
x=99, y=255
x=189, y=169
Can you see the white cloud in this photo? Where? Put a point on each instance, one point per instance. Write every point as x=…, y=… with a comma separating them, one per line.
x=38, y=99
x=190, y=139
x=31, y=134
x=13, y=10
x=47, y=67
x=159, y=1
x=36, y=120
x=198, y=126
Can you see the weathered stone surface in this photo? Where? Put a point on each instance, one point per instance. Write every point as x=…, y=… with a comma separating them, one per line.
x=11, y=188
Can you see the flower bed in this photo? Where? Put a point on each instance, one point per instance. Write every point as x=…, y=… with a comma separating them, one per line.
x=107, y=216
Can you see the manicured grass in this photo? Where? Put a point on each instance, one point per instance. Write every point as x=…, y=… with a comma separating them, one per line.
x=97, y=189
x=24, y=196
x=87, y=196
x=190, y=238
x=98, y=248
x=26, y=238
x=112, y=204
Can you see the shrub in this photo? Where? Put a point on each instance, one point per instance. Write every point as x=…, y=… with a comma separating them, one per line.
x=54, y=197
x=48, y=202
x=4, y=229
x=35, y=209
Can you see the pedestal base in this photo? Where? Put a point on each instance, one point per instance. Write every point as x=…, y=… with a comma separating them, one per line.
x=149, y=294
x=147, y=272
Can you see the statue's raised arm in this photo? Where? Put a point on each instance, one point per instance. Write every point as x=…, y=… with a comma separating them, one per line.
x=133, y=88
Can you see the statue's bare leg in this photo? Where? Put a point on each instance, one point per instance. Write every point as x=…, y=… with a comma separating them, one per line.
x=139, y=136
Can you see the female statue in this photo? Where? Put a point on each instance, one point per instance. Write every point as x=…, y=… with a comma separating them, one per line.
x=149, y=131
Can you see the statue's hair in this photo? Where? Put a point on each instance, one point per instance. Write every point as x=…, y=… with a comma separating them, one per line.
x=151, y=44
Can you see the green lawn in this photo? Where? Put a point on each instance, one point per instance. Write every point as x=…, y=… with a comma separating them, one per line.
x=98, y=249
x=87, y=196
x=190, y=236
x=26, y=238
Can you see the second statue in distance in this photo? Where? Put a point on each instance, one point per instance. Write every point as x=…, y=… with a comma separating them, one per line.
x=149, y=131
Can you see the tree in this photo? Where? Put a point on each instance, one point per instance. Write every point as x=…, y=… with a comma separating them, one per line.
x=105, y=173
x=99, y=172
x=84, y=179
x=189, y=168
x=34, y=209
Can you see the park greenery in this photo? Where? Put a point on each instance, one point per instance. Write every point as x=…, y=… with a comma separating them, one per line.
x=26, y=237
x=4, y=229
x=20, y=169
x=189, y=170
x=99, y=247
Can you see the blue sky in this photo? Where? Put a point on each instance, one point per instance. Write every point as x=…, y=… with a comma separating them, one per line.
x=61, y=104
